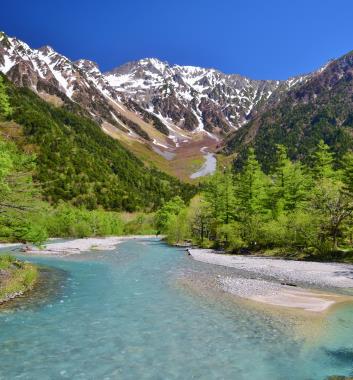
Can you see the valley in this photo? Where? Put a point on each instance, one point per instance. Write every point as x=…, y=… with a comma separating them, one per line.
x=148, y=105
x=166, y=221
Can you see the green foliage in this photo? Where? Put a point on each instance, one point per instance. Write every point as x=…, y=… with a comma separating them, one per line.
x=229, y=237
x=177, y=229
x=6, y=261
x=26, y=218
x=5, y=108
x=68, y=221
x=201, y=218
x=78, y=163
x=19, y=197
x=250, y=186
x=20, y=276
x=332, y=206
x=323, y=162
x=220, y=196
x=6, y=165
x=288, y=186
x=294, y=209
x=347, y=172
x=141, y=224
x=318, y=109
x=165, y=214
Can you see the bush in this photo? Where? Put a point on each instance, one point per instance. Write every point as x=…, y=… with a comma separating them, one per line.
x=178, y=228
x=141, y=224
x=67, y=221
x=228, y=237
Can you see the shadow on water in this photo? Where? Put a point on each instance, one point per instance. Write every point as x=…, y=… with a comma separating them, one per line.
x=341, y=355
x=49, y=287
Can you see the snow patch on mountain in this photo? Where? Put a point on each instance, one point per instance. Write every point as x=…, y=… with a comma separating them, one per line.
x=187, y=100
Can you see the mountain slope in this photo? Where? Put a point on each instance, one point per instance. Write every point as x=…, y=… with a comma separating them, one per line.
x=79, y=163
x=192, y=98
x=169, y=114
x=320, y=108
x=171, y=99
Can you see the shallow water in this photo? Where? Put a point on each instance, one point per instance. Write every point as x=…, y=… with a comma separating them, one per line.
x=125, y=314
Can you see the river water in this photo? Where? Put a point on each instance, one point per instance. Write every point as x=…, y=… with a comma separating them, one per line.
x=127, y=314
x=208, y=167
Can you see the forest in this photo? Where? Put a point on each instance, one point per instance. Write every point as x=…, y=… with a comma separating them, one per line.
x=318, y=109
x=76, y=161
x=60, y=175
x=305, y=211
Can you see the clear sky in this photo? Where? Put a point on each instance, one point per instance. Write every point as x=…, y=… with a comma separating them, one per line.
x=263, y=39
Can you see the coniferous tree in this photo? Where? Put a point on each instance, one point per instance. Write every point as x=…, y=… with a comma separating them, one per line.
x=323, y=162
x=220, y=196
x=289, y=184
x=250, y=186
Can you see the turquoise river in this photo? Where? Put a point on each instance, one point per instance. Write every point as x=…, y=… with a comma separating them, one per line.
x=133, y=313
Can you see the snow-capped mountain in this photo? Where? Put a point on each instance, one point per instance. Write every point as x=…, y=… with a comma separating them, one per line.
x=193, y=98
x=143, y=95
x=50, y=73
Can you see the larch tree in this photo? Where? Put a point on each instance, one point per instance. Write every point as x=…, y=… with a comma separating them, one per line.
x=250, y=186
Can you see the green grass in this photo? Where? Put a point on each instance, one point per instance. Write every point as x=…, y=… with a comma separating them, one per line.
x=196, y=163
x=16, y=276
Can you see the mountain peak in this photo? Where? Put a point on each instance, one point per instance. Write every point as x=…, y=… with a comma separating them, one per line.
x=86, y=64
x=3, y=35
x=174, y=97
x=47, y=50
x=153, y=61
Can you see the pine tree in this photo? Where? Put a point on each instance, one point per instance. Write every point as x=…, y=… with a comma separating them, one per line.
x=213, y=195
x=227, y=199
x=219, y=194
x=289, y=185
x=323, y=162
x=250, y=186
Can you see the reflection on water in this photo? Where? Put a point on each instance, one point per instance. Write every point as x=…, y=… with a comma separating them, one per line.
x=132, y=314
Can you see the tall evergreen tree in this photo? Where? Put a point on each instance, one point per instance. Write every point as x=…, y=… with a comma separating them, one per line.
x=323, y=162
x=250, y=186
x=213, y=194
x=289, y=184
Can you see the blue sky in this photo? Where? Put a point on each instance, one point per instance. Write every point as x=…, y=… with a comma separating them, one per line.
x=269, y=39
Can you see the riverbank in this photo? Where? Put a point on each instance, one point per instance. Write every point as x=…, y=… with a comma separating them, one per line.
x=285, y=283
x=103, y=319
x=16, y=278
x=76, y=246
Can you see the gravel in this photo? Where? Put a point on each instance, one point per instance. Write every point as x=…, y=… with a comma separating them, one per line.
x=76, y=246
x=323, y=275
x=280, y=282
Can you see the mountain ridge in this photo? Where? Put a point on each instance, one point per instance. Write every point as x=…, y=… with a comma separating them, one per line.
x=77, y=162
x=186, y=97
x=168, y=109
x=319, y=109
